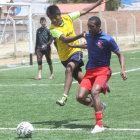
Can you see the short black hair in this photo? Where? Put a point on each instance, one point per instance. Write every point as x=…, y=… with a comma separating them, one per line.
x=96, y=19
x=53, y=10
x=42, y=18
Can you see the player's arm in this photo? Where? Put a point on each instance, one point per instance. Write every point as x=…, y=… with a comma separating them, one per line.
x=37, y=41
x=71, y=39
x=91, y=7
x=57, y=34
x=82, y=46
x=122, y=63
x=50, y=39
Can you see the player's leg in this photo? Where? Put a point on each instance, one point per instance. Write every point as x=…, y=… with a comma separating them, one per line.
x=100, y=85
x=77, y=74
x=49, y=61
x=68, y=81
x=84, y=91
x=82, y=96
x=39, y=62
x=51, y=71
x=71, y=64
x=95, y=93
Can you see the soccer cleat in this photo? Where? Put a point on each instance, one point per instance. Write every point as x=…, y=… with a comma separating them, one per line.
x=51, y=76
x=37, y=78
x=97, y=129
x=62, y=101
x=103, y=107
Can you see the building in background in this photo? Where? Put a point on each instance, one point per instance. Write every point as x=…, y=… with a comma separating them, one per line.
x=72, y=7
x=38, y=7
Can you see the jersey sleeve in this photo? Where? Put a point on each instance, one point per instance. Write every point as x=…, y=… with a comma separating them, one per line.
x=55, y=33
x=74, y=15
x=113, y=45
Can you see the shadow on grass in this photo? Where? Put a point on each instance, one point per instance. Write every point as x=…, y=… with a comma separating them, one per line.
x=65, y=123
x=70, y=124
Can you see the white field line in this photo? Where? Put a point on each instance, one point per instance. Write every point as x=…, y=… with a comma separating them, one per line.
x=19, y=67
x=134, y=58
x=126, y=71
x=75, y=129
x=13, y=67
x=135, y=52
x=61, y=84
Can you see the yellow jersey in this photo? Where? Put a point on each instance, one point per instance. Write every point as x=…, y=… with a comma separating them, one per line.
x=64, y=51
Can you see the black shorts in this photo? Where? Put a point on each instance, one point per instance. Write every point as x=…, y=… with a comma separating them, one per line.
x=76, y=57
x=47, y=54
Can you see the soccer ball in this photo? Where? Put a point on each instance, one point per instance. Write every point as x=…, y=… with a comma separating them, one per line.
x=23, y=62
x=24, y=130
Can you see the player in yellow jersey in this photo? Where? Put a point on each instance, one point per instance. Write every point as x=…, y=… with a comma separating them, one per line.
x=62, y=30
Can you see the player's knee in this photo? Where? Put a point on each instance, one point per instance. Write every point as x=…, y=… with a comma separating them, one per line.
x=49, y=61
x=79, y=98
x=39, y=62
x=69, y=69
x=95, y=94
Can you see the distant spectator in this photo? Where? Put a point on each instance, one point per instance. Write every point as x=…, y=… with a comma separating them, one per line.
x=42, y=47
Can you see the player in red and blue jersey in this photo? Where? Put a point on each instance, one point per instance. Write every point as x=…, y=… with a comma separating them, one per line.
x=98, y=71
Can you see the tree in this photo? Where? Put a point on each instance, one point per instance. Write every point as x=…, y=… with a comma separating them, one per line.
x=113, y=5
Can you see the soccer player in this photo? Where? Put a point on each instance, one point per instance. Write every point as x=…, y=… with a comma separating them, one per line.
x=62, y=29
x=98, y=71
x=42, y=47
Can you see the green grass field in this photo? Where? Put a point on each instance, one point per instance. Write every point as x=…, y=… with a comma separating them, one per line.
x=24, y=99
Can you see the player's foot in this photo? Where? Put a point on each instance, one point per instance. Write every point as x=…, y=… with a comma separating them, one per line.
x=51, y=76
x=62, y=101
x=37, y=78
x=97, y=129
x=103, y=107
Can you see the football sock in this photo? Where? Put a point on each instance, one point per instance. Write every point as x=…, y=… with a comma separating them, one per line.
x=98, y=116
x=65, y=95
x=39, y=76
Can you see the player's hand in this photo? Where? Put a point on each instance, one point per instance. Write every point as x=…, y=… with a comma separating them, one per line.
x=84, y=34
x=85, y=45
x=123, y=75
x=70, y=45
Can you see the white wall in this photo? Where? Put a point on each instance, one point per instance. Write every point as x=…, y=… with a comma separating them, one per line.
x=31, y=1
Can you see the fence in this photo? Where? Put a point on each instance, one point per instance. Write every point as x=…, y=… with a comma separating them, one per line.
x=124, y=26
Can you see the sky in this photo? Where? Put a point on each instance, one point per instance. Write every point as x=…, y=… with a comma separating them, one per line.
x=129, y=2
